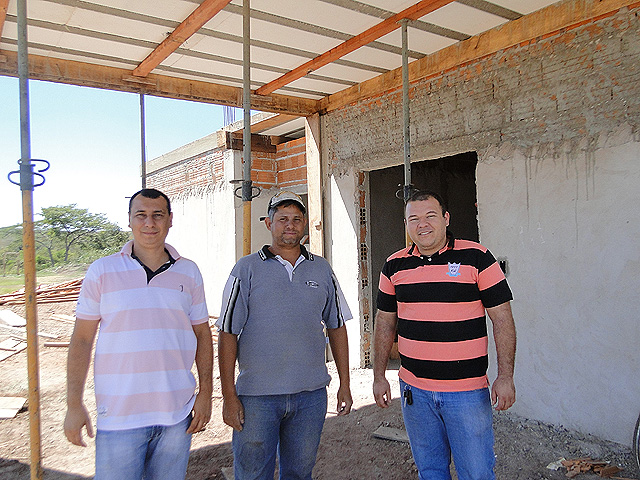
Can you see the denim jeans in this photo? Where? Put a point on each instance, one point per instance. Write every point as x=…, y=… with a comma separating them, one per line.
x=150, y=453
x=286, y=425
x=440, y=424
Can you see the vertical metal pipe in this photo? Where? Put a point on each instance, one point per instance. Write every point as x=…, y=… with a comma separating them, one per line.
x=28, y=244
x=246, y=135
x=405, y=111
x=143, y=144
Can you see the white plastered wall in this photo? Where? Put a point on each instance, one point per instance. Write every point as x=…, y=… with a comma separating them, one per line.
x=567, y=221
x=342, y=251
x=204, y=226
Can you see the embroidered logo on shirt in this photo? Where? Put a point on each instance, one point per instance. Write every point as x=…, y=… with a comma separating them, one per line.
x=454, y=269
x=312, y=284
x=102, y=411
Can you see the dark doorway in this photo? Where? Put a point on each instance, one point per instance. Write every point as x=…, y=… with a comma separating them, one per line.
x=452, y=177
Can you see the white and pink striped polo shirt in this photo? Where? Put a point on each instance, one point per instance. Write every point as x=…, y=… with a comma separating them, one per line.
x=146, y=345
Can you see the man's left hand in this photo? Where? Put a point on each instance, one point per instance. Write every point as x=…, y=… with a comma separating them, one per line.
x=344, y=401
x=503, y=392
x=201, y=413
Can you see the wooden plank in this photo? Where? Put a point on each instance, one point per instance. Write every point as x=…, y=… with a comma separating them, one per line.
x=201, y=15
x=259, y=143
x=12, y=319
x=544, y=22
x=395, y=434
x=10, y=347
x=10, y=406
x=56, y=344
x=23, y=331
x=99, y=76
x=386, y=26
x=64, y=318
x=4, y=4
x=272, y=122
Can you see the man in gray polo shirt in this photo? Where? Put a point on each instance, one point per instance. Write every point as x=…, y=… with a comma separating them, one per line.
x=275, y=305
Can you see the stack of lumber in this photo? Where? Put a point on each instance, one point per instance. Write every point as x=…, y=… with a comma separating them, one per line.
x=61, y=292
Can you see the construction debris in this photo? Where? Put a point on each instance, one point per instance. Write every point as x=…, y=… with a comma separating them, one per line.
x=10, y=347
x=12, y=319
x=10, y=406
x=20, y=333
x=582, y=465
x=56, y=344
x=64, y=318
x=389, y=433
x=62, y=292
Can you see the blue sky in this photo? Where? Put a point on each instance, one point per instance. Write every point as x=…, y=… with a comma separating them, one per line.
x=91, y=137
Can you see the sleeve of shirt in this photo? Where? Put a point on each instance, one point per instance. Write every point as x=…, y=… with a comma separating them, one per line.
x=198, y=312
x=88, y=306
x=493, y=286
x=386, y=300
x=235, y=305
x=336, y=311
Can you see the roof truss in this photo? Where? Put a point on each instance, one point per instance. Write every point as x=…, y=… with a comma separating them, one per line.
x=194, y=22
x=170, y=81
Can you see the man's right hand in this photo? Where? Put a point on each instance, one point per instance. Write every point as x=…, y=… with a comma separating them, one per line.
x=233, y=412
x=75, y=419
x=382, y=392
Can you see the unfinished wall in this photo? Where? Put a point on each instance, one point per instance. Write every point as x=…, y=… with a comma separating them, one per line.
x=203, y=207
x=555, y=123
x=207, y=215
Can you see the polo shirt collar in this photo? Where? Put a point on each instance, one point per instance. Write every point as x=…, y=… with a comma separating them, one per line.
x=413, y=249
x=127, y=249
x=265, y=253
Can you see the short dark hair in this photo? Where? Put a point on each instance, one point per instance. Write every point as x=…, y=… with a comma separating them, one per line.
x=421, y=195
x=150, y=193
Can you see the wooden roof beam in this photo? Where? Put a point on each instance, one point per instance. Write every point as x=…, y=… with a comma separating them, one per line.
x=272, y=122
x=546, y=21
x=4, y=4
x=414, y=12
x=119, y=79
x=194, y=22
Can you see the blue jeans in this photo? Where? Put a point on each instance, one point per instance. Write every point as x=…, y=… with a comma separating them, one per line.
x=286, y=425
x=440, y=424
x=150, y=453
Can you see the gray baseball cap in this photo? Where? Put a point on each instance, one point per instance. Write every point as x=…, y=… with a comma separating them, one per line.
x=285, y=196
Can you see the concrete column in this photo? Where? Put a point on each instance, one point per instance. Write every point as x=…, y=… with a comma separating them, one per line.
x=314, y=184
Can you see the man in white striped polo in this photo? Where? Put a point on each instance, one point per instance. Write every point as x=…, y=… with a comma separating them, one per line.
x=149, y=303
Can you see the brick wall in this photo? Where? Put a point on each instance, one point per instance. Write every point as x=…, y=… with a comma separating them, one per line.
x=284, y=169
x=192, y=173
x=263, y=169
x=292, y=163
x=578, y=82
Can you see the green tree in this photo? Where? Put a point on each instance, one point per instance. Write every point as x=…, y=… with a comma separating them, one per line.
x=65, y=226
x=10, y=247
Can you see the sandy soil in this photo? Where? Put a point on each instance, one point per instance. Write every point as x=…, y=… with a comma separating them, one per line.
x=348, y=451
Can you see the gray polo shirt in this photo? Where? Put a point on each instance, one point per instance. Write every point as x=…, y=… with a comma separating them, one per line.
x=279, y=317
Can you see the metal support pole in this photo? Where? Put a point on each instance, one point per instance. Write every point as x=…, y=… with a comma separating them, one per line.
x=28, y=244
x=405, y=112
x=143, y=144
x=246, y=135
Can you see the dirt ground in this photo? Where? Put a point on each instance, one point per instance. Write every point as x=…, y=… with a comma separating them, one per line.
x=348, y=451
